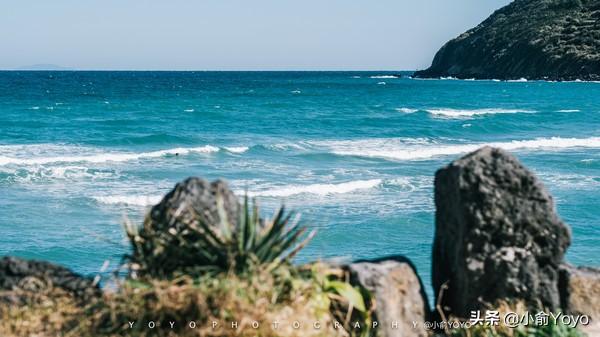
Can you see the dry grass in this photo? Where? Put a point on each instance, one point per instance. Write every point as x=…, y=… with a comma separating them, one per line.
x=265, y=296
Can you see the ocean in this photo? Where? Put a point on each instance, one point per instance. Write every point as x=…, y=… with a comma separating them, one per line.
x=354, y=152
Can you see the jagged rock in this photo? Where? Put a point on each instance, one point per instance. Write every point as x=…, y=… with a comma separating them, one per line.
x=580, y=294
x=20, y=278
x=401, y=306
x=497, y=235
x=192, y=198
x=169, y=240
x=532, y=39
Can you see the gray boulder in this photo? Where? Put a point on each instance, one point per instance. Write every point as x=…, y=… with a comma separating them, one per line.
x=172, y=237
x=20, y=280
x=497, y=235
x=195, y=199
x=401, y=306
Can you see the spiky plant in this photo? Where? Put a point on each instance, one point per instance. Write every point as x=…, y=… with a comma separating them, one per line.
x=193, y=246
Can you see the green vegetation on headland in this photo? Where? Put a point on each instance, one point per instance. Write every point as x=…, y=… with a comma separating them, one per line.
x=531, y=39
x=202, y=264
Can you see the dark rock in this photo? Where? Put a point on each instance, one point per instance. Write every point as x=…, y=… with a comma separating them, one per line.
x=171, y=237
x=193, y=198
x=532, y=39
x=580, y=294
x=401, y=306
x=497, y=236
x=20, y=278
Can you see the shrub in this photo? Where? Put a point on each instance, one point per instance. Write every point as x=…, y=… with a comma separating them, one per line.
x=195, y=247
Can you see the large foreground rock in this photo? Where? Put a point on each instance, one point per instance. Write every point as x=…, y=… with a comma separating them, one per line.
x=497, y=235
x=580, y=294
x=533, y=39
x=171, y=237
x=195, y=199
x=400, y=301
x=20, y=279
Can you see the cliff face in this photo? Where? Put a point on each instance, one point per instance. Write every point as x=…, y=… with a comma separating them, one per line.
x=533, y=39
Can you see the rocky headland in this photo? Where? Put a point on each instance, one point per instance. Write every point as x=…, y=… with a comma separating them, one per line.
x=498, y=242
x=532, y=39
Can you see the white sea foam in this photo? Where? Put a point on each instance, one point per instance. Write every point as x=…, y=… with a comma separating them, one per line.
x=384, y=76
x=407, y=110
x=237, y=149
x=381, y=83
x=188, y=110
x=569, y=110
x=522, y=79
x=132, y=200
x=316, y=189
x=104, y=156
x=468, y=113
x=398, y=149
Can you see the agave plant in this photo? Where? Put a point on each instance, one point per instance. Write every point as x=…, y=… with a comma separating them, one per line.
x=194, y=246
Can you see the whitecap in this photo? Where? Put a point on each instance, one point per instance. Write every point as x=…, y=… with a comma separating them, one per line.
x=188, y=110
x=384, y=76
x=468, y=113
x=400, y=149
x=296, y=92
x=316, y=189
x=237, y=149
x=381, y=83
x=407, y=110
x=105, y=156
x=128, y=200
x=522, y=79
x=569, y=110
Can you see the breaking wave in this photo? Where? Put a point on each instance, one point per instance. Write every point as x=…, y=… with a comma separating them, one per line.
x=128, y=200
x=104, y=156
x=401, y=150
x=316, y=189
x=466, y=113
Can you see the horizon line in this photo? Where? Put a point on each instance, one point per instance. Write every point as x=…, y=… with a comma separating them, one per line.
x=205, y=70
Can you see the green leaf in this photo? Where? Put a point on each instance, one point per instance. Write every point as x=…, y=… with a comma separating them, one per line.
x=348, y=292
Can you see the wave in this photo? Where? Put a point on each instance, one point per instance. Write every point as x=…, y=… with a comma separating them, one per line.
x=568, y=110
x=284, y=191
x=128, y=200
x=316, y=189
x=237, y=149
x=464, y=113
x=384, y=76
x=400, y=150
x=106, y=157
x=407, y=110
x=69, y=172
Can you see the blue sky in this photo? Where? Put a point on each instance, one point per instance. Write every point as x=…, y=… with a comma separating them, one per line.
x=233, y=34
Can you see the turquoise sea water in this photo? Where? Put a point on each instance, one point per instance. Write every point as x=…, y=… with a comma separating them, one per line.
x=355, y=152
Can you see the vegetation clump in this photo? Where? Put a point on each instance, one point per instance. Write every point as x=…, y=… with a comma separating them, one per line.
x=238, y=280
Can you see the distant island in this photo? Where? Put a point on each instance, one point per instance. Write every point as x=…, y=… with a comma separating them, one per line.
x=532, y=39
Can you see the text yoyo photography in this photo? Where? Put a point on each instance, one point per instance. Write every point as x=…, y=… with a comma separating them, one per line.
x=340, y=168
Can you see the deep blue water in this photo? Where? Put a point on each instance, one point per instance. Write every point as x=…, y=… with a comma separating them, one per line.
x=354, y=152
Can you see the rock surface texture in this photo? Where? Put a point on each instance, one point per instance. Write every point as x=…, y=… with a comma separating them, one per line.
x=401, y=306
x=532, y=39
x=169, y=240
x=580, y=294
x=20, y=278
x=497, y=235
x=195, y=199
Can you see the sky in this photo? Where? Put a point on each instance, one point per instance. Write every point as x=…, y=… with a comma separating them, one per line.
x=233, y=34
